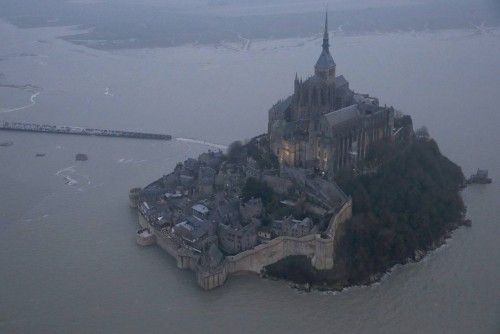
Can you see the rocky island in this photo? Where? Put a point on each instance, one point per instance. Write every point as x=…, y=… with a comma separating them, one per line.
x=336, y=192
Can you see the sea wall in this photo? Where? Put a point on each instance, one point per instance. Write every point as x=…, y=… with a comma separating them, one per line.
x=71, y=130
x=254, y=260
x=341, y=216
x=315, y=246
x=209, y=280
x=167, y=244
x=319, y=248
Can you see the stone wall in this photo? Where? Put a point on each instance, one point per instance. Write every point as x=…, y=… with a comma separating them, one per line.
x=208, y=280
x=319, y=248
x=167, y=244
x=254, y=260
x=342, y=215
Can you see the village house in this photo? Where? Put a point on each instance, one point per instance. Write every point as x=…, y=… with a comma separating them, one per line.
x=291, y=227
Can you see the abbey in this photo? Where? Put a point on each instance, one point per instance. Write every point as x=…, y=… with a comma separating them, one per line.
x=325, y=125
x=274, y=196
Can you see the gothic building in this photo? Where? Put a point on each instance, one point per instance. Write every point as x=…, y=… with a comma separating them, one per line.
x=324, y=124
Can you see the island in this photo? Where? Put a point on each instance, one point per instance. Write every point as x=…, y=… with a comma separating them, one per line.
x=338, y=191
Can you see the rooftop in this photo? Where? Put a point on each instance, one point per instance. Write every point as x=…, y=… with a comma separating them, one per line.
x=325, y=61
x=200, y=208
x=343, y=115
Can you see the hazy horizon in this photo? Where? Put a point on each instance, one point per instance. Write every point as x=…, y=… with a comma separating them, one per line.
x=115, y=24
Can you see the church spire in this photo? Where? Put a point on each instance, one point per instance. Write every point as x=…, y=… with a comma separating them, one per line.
x=326, y=39
x=325, y=66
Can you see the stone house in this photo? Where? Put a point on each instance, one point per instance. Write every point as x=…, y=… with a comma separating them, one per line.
x=206, y=179
x=191, y=166
x=293, y=227
x=252, y=208
x=264, y=233
x=200, y=211
x=234, y=239
x=194, y=232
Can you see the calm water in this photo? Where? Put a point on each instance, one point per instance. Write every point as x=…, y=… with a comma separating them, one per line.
x=68, y=258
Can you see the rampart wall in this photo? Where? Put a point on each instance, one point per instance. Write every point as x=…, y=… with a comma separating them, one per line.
x=319, y=248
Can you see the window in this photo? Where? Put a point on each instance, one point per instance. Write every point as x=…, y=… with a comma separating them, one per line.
x=338, y=101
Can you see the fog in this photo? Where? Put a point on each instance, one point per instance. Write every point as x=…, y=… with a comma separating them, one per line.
x=154, y=23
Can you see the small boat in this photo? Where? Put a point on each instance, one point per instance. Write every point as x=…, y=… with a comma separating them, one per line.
x=69, y=181
x=6, y=143
x=40, y=155
x=481, y=177
x=81, y=157
x=145, y=237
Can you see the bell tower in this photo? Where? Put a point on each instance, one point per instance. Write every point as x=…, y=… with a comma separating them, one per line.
x=325, y=66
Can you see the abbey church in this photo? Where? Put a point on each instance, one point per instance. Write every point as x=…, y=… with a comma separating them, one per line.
x=325, y=125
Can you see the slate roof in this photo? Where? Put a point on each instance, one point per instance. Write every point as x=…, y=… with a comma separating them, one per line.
x=325, y=61
x=343, y=115
x=340, y=81
x=282, y=105
x=192, y=228
x=200, y=208
x=228, y=213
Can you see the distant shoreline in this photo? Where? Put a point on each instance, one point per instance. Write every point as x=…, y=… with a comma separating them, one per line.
x=171, y=26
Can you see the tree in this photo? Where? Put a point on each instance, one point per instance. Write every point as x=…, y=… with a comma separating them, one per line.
x=236, y=152
x=409, y=204
x=254, y=188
